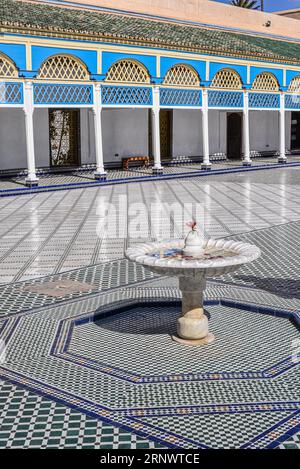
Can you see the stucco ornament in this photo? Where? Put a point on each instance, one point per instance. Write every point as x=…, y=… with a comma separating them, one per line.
x=193, y=260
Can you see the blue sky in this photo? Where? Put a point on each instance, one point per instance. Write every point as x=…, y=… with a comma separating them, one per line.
x=276, y=5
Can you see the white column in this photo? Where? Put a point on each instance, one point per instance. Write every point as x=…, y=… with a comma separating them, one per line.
x=282, y=154
x=157, y=168
x=246, y=131
x=205, y=134
x=97, y=112
x=31, y=179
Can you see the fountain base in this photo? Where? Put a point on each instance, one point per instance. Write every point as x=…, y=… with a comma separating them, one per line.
x=192, y=325
x=195, y=342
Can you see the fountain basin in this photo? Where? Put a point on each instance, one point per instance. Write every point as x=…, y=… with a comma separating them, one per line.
x=168, y=258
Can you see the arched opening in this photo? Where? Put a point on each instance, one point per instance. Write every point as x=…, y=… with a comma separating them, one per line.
x=63, y=67
x=294, y=86
x=181, y=75
x=7, y=67
x=127, y=71
x=228, y=79
x=265, y=81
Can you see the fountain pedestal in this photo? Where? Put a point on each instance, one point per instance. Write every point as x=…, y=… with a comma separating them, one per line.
x=192, y=326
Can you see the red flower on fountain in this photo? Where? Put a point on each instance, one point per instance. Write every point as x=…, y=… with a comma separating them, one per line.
x=192, y=224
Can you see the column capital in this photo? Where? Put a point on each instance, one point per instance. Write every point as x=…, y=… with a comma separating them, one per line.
x=28, y=85
x=96, y=109
x=28, y=110
x=156, y=99
x=204, y=101
x=157, y=168
x=246, y=101
x=97, y=87
x=28, y=98
x=97, y=96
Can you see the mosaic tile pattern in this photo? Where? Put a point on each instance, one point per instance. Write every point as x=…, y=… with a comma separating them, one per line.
x=226, y=432
x=291, y=443
x=274, y=272
x=31, y=421
x=143, y=327
x=32, y=355
x=32, y=294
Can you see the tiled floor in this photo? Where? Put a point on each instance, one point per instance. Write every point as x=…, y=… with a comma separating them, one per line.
x=61, y=385
x=29, y=420
x=47, y=233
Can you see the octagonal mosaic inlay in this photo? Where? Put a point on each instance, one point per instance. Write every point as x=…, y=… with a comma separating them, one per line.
x=132, y=331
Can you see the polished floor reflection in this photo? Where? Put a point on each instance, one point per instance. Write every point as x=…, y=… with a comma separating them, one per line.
x=47, y=233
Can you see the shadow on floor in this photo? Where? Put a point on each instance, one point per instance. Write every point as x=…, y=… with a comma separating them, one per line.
x=283, y=287
x=143, y=320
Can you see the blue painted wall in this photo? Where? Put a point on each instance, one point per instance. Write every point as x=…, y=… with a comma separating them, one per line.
x=167, y=62
x=149, y=61
x=16, y=52
x=40, y=54
x=216, y=67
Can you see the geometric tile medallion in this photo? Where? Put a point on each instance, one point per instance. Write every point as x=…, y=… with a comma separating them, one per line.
x=59, y=288
x=121, y=367
x=91, y=338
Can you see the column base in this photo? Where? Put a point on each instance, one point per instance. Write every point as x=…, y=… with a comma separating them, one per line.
x=247, y=163
x=206, y=166
x=282, y=160
x=157, y=171
x=194, y=342
x=100, y=176
x=31, y=182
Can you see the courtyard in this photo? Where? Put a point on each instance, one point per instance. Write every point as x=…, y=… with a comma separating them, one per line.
x=88, y=359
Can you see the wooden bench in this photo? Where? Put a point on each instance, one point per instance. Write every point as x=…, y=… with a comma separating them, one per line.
x=130, y=159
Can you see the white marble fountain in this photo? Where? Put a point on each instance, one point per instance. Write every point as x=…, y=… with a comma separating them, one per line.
x=193, y=260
